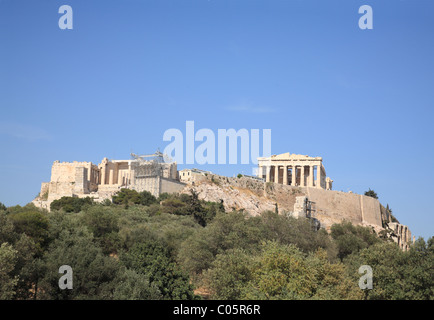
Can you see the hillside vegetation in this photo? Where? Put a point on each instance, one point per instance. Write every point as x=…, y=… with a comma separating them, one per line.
x=179, y=247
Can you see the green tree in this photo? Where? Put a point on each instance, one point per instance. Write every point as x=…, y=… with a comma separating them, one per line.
x=371, y=193
x=26, y=255
x=164, y=196
x=237, y=230
x=71, y=204
x=298, y=231
x=26, y=267
x=195, y=208
x=397, y=275
x=2, y=207
x=147, y=198
x=174, y=206
x=418, y=273
x=93, y=272
x=229, y=274
x=128, y=197
x=103, y=223
x=34, y=224
x=350, y=238
x=184, y=204
x=8, y=282
x=7, y=231
x=226, y=231
x=284, y=272
x=130, y=285
x=153, y=260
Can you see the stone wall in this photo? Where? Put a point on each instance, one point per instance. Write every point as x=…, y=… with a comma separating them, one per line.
x=255, y=196
x=151, y=184
x=81, y=179
x=171, y=186
x=335, y=206
x=400, y=234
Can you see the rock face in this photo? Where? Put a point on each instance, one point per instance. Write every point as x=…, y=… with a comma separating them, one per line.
x=251, y=194
x=326, y=206
x=234, y=198
x=254, y=196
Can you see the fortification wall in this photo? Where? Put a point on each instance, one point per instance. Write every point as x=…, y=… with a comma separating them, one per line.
x=65, y=171
x=171, y=186
x=334, y=206
x=256, y=196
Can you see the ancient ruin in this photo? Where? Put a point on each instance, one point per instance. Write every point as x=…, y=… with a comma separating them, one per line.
x=153, y=173
x=294, y=170
x=192, y=175
x=290, y=184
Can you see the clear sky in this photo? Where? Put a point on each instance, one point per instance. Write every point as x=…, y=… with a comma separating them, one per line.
x=131, y=69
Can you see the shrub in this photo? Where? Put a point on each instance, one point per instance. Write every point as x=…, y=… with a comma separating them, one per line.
x=128, y=197
x=71, y=204
x=2, y=207
x=350, y=238
x=371, y=193
x=154, y=260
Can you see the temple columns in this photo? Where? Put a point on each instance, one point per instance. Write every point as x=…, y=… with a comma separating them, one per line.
x=302, y=177
x=294, y=170
x=103, y=175
x=318, y=177
x=311, y=176
x=111, y=176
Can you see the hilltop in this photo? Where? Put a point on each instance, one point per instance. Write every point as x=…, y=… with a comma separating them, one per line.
x=327, y=207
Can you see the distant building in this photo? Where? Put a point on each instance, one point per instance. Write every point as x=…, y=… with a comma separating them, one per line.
x=294, y=170
x=82, y=179
x=191, y=176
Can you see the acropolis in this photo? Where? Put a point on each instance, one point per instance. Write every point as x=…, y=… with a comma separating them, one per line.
x=294, y=170
x=102, y=181
x=295, y=184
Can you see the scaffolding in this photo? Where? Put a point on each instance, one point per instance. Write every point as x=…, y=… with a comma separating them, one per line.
x=149, y=165
x=310, y=214
x=148, y=170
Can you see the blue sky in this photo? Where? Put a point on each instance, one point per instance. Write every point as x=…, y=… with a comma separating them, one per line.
x=129, y=70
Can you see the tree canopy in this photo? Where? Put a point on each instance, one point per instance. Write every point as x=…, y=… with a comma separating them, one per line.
x=173, y=247
x=371, y=193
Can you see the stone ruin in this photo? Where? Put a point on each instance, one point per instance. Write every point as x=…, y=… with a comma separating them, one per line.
x=296, y=184
x=102, y=181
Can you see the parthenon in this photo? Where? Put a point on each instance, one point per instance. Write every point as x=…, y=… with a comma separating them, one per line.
x=294, y=170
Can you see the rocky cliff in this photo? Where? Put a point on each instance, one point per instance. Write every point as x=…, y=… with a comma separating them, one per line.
x=327, y=206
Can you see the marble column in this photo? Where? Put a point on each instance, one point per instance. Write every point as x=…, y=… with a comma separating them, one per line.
x=302, y=176
x=267, y=173
x=103, y=175
x=293, y=175
x=276, y=174
x=120, y=178
x=111, y=173
x=285, y=175
x=318, y=176
x=311, y=176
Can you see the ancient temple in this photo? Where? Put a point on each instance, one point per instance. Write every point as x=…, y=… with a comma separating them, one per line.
x=294, y=170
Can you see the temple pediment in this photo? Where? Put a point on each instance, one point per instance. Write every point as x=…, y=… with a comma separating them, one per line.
x=293, y=156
